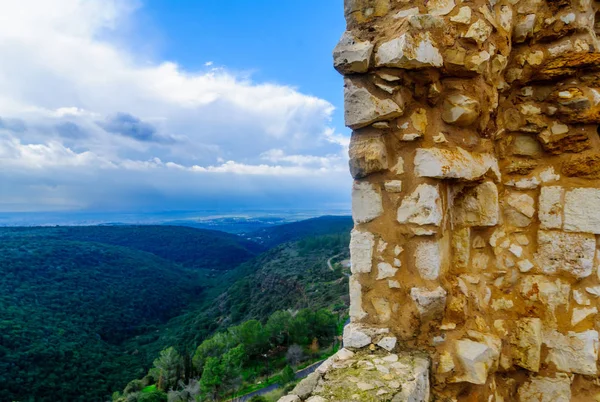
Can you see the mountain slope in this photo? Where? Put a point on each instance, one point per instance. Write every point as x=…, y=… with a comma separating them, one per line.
x=293, y=275
x=190, y=247
x=66, y=307
x=323, y=225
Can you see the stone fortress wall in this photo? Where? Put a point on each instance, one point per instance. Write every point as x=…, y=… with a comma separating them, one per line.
x=476, y=200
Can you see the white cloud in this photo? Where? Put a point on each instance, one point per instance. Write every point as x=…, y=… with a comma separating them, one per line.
x=80, y=106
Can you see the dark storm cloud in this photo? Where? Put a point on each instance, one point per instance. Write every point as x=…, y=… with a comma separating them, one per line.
x=130, y=126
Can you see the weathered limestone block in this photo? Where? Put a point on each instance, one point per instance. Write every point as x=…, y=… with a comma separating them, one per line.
x=461, y=248
x=440, y=7
x=550, y=207
x=519, y=210
x=360, y=335
x=576, y=352
x=479, y=31
x=361, y=251
x=559, y=139
x=572, y=253
x=526, y=343
x=428, y=259
x=409, y=52
x=366, y=202
x=582, y=213
x=581, y=314
x=422, y=207
x=460, y=110
x=477, y=359
x=306, y=386
x=289, y=398
x=367, y=155
x=385, y=270
x=430, y=303
x=415, y=388
x=352, y=55
x=546, y=389
x=355, y=310
x=476, y=206
x=361, y=11
x=463, y=16
x=388, y=343
x=454, y=164
x=355, y=336
x=361, y=108
x=552, y=293
x=586, y=166
x=525, y=145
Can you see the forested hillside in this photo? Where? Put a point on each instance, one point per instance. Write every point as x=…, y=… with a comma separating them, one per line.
x=192, y=248
x=67, y=306
x=87, y=309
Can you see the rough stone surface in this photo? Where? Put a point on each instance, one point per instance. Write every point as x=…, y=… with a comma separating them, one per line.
x=355, y=311
x=361, y=251
x=482, y=196
x=306, y=386
x=367, y=155
x=581, y=210
x=476, y=359
x=551, y=207
x=576, y=352
x=352, y=55
x=355, y=336
x=477, y=206
x=454, y=164
x=526, y=343
x=430, y=303
x=546, y=389
x=572, y=253
x=363, y=108
x=428, y=259
x=409, y=52
x=460, y=110
x=366, y=202
x=289, y=398
x=422, y=207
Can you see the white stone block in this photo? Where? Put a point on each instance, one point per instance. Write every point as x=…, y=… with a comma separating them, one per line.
x=366, y=202
x=355, y=311
x=409, y=52
x=430, y=303
x=546, y=389
x=361, y=251
x=582, y=212
x=428, y=259
x=551, y=207
x=454, y=164
x=572, y=253
x=422, y=207
x=576, y=352
x=362, y=108
x=352, y=55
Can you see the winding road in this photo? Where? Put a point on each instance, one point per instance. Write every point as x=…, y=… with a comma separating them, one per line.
x=299, y=375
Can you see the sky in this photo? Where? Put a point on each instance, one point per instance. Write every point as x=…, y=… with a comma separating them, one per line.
x=162, y=105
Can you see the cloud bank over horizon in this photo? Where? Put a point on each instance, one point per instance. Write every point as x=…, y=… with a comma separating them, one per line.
x=88, y=124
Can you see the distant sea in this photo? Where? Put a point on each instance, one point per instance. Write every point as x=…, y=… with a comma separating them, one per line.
x=237, y=222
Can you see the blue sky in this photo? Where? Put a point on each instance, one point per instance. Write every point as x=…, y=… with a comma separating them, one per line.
x=148, y=105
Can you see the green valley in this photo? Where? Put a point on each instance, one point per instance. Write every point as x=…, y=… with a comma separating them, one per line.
x=88, y=309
